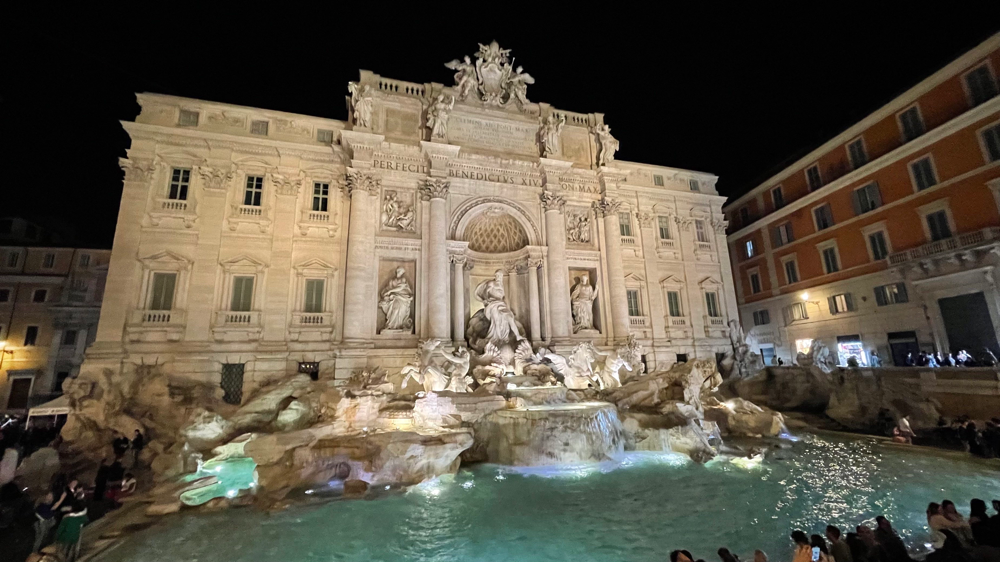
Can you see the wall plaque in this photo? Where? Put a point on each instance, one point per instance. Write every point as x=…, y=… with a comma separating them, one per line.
x=505, y=136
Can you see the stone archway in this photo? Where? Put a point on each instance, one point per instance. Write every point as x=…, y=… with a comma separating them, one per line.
x=471, y=211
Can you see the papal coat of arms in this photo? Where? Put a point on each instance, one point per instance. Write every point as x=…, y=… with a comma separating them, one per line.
x=493, y=77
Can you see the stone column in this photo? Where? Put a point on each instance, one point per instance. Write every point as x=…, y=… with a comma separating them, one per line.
x=359, y=279
x=608, y=208
x=275, y=309
x=436, y=191
x=458, y=299
x=558, y=278
x=647, y=229
x=534, y=308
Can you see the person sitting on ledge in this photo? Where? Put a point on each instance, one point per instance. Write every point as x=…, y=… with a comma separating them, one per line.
x=803, y=550
x=817, y=542
x=838, y=548
x=759, y=556
x=983, y=530
x=726, y=556
x=951, y=550
x=890, y=542
x=681, y=556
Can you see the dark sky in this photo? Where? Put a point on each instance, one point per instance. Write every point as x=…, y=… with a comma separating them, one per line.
x=720, y=90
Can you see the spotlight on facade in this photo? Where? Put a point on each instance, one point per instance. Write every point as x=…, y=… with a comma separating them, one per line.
x=804, y=296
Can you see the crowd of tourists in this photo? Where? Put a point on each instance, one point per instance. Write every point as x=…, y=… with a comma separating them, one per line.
x=963, y=358
x=960, y=433
x=51, y=526
x=954, y=538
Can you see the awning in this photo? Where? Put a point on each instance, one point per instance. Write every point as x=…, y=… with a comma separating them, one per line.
x=56, y=407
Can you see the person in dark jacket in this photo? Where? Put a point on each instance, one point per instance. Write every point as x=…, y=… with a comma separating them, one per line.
x=892, y=545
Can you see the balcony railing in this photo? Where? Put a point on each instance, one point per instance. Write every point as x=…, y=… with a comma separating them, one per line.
x=316, y=319
x=317, y=216
x=959, y=242
x=249, y=211
x=153, y=318
x=638, y=321
x=628, y=240
x=665, y=243
x=678, y=322
x=703, y=246
x=176, y=205
x=715, y=321
x=233, y=318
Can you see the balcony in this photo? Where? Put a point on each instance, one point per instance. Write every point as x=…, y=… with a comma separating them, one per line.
x=638, y=321
x=162, y=208
x=237, y=318
x=715, y=327
x=254, y=214
x=311, y=326
x=233, y=325
x=175, y=205
x=715, y=322
x=677, y=322
x=317, y=220
x=666, y=244
x=156, y=325
x=249, y=211
x=938, y=247
x=628, y=240
x=703, y=246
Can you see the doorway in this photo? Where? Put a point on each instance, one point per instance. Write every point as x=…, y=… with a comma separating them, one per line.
x=767, y=354
x=20, y=391
x=902, y=344
x=968, y=324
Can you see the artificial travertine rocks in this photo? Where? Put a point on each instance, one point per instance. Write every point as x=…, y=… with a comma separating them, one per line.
x=857, y=396
x=744, y=418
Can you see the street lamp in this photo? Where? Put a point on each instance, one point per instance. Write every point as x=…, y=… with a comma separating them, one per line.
x=4, y=351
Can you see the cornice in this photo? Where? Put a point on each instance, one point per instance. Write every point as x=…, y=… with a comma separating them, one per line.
x=197, y=137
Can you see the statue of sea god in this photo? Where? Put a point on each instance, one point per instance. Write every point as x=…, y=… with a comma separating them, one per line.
x=502, y=322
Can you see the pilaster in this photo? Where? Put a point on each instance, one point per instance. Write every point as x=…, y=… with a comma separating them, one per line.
x=608, y=209
x=653, y=293
x=359, y=283
x=558, y=272
x=435, y=190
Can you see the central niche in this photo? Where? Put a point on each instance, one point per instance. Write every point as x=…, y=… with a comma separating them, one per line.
x=495, y=232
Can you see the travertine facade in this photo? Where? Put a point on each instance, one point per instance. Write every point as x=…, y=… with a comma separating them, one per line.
x=277, y=241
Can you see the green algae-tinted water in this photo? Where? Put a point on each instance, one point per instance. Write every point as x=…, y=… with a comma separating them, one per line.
x=636, y=510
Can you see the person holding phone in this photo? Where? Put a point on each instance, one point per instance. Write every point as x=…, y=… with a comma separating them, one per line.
x=818, y=550
x=803, y=550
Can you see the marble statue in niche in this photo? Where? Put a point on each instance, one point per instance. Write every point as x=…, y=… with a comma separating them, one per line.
x=397, y=302
x=578, y=228
x=361, y=104
x=397, y=214
x=437, y=117
x=582, y=298
x=494, y=325
x=549, y=134
x=607, y=143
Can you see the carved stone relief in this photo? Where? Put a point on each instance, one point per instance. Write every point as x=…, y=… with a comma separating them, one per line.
x=397, y=211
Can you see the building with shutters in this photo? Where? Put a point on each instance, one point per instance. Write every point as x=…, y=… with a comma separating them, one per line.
x=252, y=244
x=50, y=300
x=887, y=237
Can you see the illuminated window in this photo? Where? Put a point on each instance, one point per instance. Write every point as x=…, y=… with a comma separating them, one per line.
x=802, y=346
x=892, y=293
x=841, y=303
x=750, y=250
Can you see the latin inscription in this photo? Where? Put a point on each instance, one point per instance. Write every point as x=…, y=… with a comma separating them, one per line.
x=494, y=177
x=493, y=135
x=413, y=167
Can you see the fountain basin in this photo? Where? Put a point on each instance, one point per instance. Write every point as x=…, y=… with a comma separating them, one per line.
x=547, y=434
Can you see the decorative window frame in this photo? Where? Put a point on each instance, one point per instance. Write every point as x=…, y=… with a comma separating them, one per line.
x=750, y=273
x=826, y=245
x=714, y=328
x=913, y=177
x=793, y=257
x=812, y=213
x=864, y=148
x=819, y=171
x=676, y=284
x=319, y=221
x=159, y=206
x=982, y=141
x=872, y=228
x=780, y=190
x=322, y=322
x=241, y=265
x=244, y=214
x=941, y=204
x=965, y=86
x=635, y=282
x=165, y=262
x=994, y=185
x=902, y=129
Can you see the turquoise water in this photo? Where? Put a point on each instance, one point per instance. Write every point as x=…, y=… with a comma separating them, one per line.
x=232, y=475
x=638, y=510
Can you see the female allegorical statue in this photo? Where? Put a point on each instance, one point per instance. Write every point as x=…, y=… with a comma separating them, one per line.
x=397, y=299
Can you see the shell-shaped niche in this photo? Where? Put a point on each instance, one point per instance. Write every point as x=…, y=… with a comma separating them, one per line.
x=495, y=232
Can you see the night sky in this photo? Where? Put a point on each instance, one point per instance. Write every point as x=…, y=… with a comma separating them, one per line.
x=732, y=93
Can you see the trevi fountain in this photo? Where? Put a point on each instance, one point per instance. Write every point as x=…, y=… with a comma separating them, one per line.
x=532, y=360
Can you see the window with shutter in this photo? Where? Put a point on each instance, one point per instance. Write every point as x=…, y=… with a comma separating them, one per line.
x=991, y=141
x=783, y=234
x=162, y=296
x=878, y=245
x=867, y=198
x=830, y=262
x=242, y=300
x=712, y=304
x=911, y=124
x=937, y=223
x=823, y=216
x=841, y=303
x=314, y=295
x=892, y=293
x=664, y=224
x=674, y=303
x=981, y=85
x=856, y=151
x=923, y=173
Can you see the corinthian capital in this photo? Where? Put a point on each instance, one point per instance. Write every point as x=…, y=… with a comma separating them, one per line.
x=684, y=223
x=286, y=185
x=552, y=202
x=607, y=207
x=137, y=170
x=720, y=225
x=215, y=179
x=434, y=188
x=359, y=180
x=645, y=220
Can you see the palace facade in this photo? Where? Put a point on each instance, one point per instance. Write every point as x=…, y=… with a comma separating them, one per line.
x=254, y=243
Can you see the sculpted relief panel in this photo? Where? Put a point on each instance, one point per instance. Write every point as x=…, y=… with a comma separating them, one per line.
x=397, y=211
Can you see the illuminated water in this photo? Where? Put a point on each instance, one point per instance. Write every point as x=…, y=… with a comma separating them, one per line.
x=635, y=512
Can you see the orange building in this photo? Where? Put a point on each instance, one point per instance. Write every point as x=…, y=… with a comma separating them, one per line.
x=887, y=237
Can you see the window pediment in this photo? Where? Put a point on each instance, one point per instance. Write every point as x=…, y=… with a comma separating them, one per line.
x=166, y=260
x=710, y=283
x=672, y=281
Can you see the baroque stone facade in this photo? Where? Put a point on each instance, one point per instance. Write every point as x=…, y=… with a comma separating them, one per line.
x=256, y=243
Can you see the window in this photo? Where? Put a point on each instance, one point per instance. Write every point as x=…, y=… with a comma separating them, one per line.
x=69, y=338
x=674, y=303
x=254, y=191
x=911, y=125
x=841, y=303
x=783, y=234
x=30, y=335
x=791, y=271
x=991, y=142
x=242, y=299
x=856, y=152
x=633, y=302
x=803, y=345
x=321, y=197
x=625, y=224
x=866, y=198
x=314, y=295
x=922, y=173
x=39, y=295
x=657, y=180
x=699, y=230
x=813, y=177
x=937, y=224
x=12, y=259
x=694, y=185
x=162, y=295
x=892, y=293
x=878, y=245
x=84, y=260
x=664, y=224
x=258, y=128
x=795, y=311
x=712, y=304
x=324, y=136
x=4, y=295
x=831, y=262
x=49, y=261
x=980, y=85
x=761, y=317
x=777, y=197
x=754, y=282
x=744, y=216
x=188, y=118
x=749, y=249
x=180, y=178
x=823, y=216
x=232, y=383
